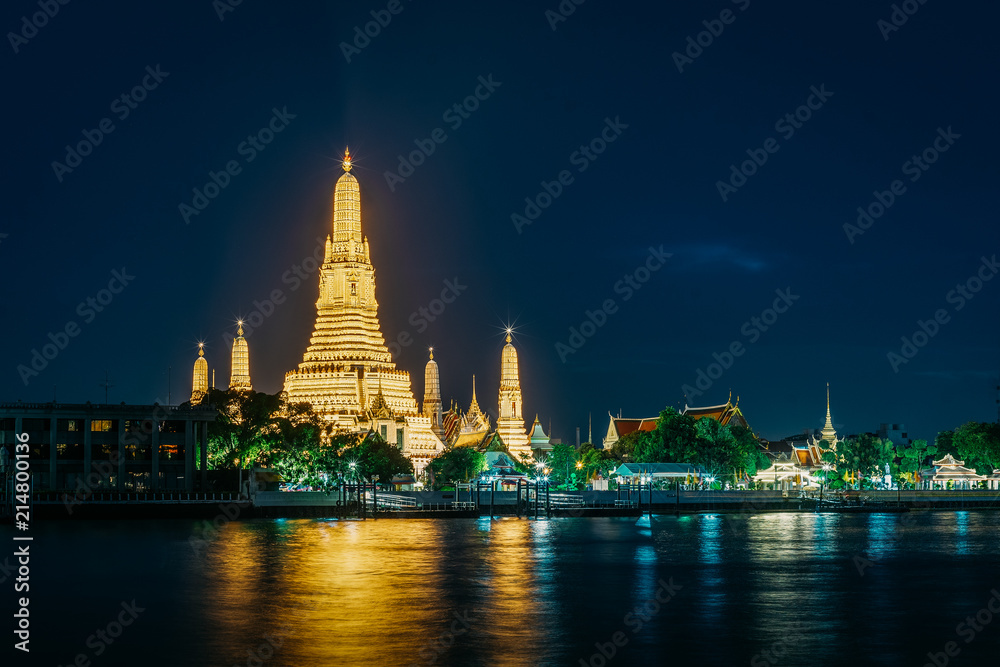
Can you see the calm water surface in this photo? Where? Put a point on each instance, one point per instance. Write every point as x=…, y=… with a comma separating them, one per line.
x=519, y=592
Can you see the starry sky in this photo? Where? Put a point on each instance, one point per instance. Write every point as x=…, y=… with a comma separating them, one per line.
x=675, y=183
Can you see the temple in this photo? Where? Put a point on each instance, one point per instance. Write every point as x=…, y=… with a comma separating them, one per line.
x=199, y=382
x=239, y=379
x=726, y=413
x=432, y=396
x=347, y=373
x=510, y=424
x=828, y=433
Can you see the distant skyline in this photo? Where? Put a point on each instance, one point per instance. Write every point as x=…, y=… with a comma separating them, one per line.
x=797, y=194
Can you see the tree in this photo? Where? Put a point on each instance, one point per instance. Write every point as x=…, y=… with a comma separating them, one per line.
x=460, y=464
x=373, y=457
x=717, y=449
x=978, y=444
x=674, y=440
x=944, y=441
x=864, y=457
x=750, y=456
x=623, y=450
x=562, y=464
x=246, y=429
x=913, y=459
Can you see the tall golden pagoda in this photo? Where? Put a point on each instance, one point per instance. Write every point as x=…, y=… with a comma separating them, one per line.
x=828, y=433
x=239, y=379
x=347, y=365
x=199, y=382
x=432, y=407
x=510, y=425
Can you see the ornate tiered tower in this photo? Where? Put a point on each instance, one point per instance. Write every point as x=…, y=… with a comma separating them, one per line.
x=347, y=362
x=239, y=380
x=828, y=433
x=510, y=425
x=199, y=385
x=432, y=396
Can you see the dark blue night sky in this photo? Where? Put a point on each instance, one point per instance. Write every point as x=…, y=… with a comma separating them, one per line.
x=652, y=181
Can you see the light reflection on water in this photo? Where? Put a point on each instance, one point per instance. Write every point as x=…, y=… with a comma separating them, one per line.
x=514, y=592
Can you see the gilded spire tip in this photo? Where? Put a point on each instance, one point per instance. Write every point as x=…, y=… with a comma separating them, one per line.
x=347, y=158
x=239, y=330
x=431, y=350
x=201, y=349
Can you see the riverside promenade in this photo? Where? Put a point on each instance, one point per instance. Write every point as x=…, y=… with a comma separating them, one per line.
x=465, y=503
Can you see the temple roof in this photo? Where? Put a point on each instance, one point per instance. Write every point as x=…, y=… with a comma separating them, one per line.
x=624, y=426
x=724, y=414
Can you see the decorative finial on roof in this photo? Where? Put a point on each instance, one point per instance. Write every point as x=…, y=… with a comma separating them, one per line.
x=508, y=334
x=431, y=350
x=239, y=330
x=201, y=349
x=347, y=158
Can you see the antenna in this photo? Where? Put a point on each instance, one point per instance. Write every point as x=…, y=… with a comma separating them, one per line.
x=107, y=385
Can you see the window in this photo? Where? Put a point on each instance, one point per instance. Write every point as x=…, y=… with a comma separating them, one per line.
x=100, y=425
x=70, y=451
x=354, y=289
x=384, y=430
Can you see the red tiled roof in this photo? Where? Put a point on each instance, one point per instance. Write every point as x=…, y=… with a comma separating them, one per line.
x=626, y=426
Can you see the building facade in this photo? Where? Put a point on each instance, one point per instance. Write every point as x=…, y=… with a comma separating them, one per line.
x=138, y=448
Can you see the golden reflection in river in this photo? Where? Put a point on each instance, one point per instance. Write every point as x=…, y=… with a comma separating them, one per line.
x=408, y=592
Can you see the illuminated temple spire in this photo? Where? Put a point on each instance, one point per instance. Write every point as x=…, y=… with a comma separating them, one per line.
x=510, y=425
x=347, y=358
x=239, y=380
x=829, y=433
x=199, y=384
x=432, y=395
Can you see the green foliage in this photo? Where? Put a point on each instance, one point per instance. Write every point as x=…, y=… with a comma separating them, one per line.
x=945, y=444
x=562, y=463
x=913, y=459
x=461, y=464
x=374, y=457
x=674, y=440
x=863, y=457
x=623, y=450
x=978, y=444
x=247, y=428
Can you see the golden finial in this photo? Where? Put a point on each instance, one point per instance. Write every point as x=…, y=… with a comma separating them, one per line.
x=431, y=349
x=201, y=349
x=239, y=331
x=508, y=334
x=347, y=159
